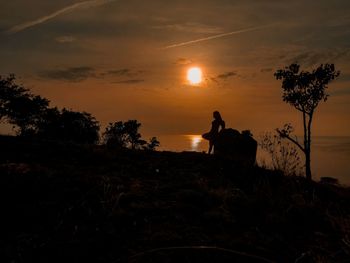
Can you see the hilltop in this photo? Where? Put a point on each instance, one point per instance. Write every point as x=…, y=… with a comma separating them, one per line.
x=69, y=202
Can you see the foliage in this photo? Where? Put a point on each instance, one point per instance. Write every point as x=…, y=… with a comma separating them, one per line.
x=19, y=107
x=153, y=144
x=68, y=125
x=304, y=90
x=114, y=135
x=32, y=115
x=126, y=135
x=284, y=155
x=131, y=129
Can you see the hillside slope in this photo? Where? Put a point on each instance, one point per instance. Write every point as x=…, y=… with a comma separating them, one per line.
x=65, y=202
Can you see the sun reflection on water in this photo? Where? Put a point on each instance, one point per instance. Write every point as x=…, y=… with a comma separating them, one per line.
x=195, y=141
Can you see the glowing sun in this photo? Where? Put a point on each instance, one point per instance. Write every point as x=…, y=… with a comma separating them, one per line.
x=194, y=76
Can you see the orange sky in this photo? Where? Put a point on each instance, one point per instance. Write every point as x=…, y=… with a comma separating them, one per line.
x=109, y=58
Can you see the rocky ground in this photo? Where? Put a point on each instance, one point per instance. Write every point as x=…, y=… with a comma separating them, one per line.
x=65, y=202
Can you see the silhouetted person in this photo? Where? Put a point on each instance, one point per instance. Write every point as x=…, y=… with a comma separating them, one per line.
x=214, y=132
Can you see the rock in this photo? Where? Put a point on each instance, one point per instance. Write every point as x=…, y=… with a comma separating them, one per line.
x=237, y=146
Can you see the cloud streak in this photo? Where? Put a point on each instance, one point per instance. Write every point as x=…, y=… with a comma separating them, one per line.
x=216, y=36
x=227, y=75
x=65, y=39
x=224, y=76
x=129, y=81
x=192, y=28
x=73, y=74
x=183, y=62
x=66, y=10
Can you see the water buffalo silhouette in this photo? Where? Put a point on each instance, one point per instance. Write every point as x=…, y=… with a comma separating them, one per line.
x=240, y=147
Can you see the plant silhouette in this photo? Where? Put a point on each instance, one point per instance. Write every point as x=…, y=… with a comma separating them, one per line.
x=304, y=90
x=126, y=135
x=33, y=117
x=284, y=155
x=68, y=125
x=153, y=144
x=19, y=107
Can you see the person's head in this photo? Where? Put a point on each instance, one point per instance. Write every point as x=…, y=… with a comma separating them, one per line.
x=217, y=115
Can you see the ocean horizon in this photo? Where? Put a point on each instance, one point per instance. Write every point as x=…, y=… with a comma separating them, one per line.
x=330, y=154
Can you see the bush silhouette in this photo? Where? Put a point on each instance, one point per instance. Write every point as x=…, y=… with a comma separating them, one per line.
x=31, y=115
x=126, y=135
x=284, y=155
x=19, y=107
x=68, y=125
x=153, y=144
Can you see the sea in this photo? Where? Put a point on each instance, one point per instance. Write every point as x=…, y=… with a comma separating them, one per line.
x=330, y=156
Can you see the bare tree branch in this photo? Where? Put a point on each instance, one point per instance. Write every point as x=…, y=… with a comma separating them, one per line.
x=284, y=135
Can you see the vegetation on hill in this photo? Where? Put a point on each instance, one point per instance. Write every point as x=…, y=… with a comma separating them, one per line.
x=65, y=196
x=304, y=91
x=32, y=117
x=67, y=202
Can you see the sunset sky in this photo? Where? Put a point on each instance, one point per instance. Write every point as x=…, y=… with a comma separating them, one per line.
x=123, y=60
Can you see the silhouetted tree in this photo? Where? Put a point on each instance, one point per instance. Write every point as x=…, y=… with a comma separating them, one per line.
x=114, y=135
x=68, y=125
x=19, y=107
x=131, y=129
x=126, y=135
x=50, y=125
x=152, y=144
x=304, y=91
x=32, y=115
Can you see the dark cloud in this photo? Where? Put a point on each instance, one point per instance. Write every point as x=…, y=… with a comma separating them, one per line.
x=77, y=74
x=119, y=72
x=123, y=76
x=226, y=75
x=307, y=59
x=122, y=73
x=320, y=56
x=129, y=81
x=73, y=74
x=183, y=62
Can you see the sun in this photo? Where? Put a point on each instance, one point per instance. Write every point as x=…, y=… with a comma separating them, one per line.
x=194, y=75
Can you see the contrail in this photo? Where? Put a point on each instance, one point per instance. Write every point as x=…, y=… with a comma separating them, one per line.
x=216, y=36
x=68, y=9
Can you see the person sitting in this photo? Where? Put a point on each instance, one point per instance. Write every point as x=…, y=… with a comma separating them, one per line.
x=214, y=132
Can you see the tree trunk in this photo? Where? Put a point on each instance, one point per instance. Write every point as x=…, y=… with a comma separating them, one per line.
x=308, y=165
x=308, y=150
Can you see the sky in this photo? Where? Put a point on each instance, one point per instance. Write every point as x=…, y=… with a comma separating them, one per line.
x=122, y=60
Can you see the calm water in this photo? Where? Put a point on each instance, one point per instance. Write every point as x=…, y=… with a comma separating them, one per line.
x=330, y=156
